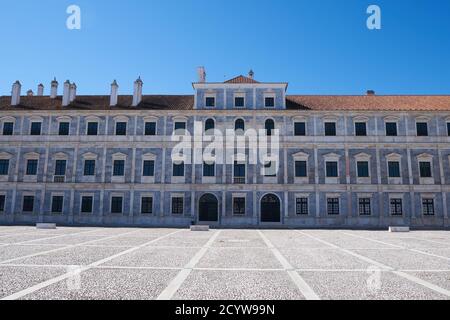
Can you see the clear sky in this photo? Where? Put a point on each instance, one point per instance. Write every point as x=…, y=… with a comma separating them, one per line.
x=318, y=46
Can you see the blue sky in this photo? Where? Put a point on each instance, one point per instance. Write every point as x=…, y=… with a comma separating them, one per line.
x=319, y=47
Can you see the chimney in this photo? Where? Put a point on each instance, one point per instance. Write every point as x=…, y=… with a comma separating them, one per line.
x=40, y=90
x=66, y=94
x=251, y=74
x=137, y=94
x=73, y=92
x=370, y=92
x=201, y=74
x=15, y=94
x=54, y=89
x=114, y=94
x=30, y=93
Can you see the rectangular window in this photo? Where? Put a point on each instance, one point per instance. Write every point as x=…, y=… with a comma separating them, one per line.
x=64, y=128
x=4, y=167
x=391, y=129
x=150, y=128
x=239, y=102
x=300, y=129
x=177, y=205
x=330, y=129
x=428, y=207
x=422, y=129
x=364, y=207
x=60, y=168
x=121, y=129
x=210, y=102
x=116, y=205
x=301, y=206
x=119, y=168
x=239, y=173
x=209, y=170
x=300, y=169
x=178, y=169
x=396, y=207
x=363, y=169
x=239, y=206
x=2, y=203
x=57, y=204
x=147, y=205
x=35, y=129
x=180, y=127
x=394, y=169
x=269, y=102
x=8, y=128
x=92, y=129
x=333, y=206
x=360, y=129
x=87, y=204
x=32, y=165
x=89, y=167
x=332, y=169
x=28, y=204
x=448, y=129
x=425, y=169
x=149, y=168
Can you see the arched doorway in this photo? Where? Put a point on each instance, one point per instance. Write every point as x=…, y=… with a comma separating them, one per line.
x=270, y=208
x=208, y=208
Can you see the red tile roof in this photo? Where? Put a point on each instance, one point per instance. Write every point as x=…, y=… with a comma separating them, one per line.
x=241, y=79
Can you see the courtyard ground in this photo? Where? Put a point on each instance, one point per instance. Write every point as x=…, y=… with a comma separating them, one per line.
x=102, y=263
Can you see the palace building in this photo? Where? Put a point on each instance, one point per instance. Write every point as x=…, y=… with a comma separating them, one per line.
x=363, y=161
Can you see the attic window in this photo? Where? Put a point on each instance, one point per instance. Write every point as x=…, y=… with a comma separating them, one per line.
x=269, y=102
x=210, y=102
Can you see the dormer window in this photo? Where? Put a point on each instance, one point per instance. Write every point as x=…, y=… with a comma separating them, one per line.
x=210, y=102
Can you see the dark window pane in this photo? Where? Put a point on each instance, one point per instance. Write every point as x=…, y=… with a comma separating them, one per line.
x=2, y=203
x=394, y=169
x=149, y=168
x=150, y=128
x=60, y=168
x=32, y=167
x=333, y=206
x=425, y=170
x=300, y=129
x=396, y=207
x=422, y=129
x=391, y=129
x=180, y=128
x=57, y=204
x=209, y=170
x=210, y=102
x=269, y=102
x=330, y=128
x=332, y=169
x=239, y=169
x=301, y=206
x=177, y=205
x=300, y=169
x=119, y=168
x=28, y=204
x=239, y=206
x=147, y=205
x=239, y=102
x=364, y=207
x=448, y=129
x=239, y=125
x=92, y=129
x=209, y=124
x=64, y=128
x=8, y=128
x=428, y=207
x=121, y=129
x=270, y=127
x=178, y=170
x=363, y=169
x=89, y=167
x=35, y=128
x=360, y=129
x=86, y=204
x=4, y=167
x=116, y=204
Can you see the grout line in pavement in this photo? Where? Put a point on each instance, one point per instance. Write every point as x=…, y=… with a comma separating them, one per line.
x=385, y=267
x=176, y=283
x=67, y=275
x=301, y=284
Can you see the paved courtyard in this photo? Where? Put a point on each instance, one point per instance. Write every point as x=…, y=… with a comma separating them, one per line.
x=101, y=263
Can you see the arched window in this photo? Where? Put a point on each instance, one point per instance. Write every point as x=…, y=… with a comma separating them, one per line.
x=239, y=125
x=270, y=126
x=209, y=125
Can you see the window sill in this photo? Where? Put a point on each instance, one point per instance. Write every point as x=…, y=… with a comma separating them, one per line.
x=208, y=180
x=30, y=179
x=302, y=180
x=178, y=180
x=332, y=180
x=366, y=180
x=118, y=179
x=395, y=180
x=426, y=181
x=148, y=180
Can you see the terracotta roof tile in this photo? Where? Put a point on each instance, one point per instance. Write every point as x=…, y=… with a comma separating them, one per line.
x=241, y=79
